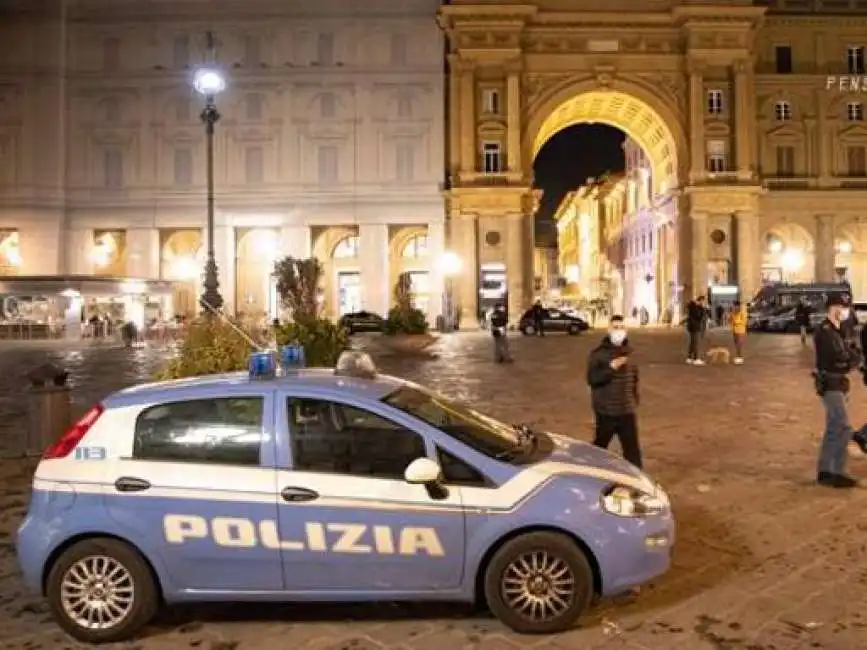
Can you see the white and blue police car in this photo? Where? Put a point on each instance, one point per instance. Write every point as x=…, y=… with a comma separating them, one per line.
x=328, y=485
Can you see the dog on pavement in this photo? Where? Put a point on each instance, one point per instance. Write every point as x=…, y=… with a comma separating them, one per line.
x=719, y=355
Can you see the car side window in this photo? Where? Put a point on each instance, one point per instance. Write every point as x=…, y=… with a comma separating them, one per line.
x=457, y=472
x=225, y=431
x=340, y=439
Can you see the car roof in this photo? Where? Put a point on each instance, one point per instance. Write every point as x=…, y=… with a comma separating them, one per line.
x=318, y=379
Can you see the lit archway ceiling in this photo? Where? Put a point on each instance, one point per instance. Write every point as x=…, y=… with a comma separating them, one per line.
x=631, y=115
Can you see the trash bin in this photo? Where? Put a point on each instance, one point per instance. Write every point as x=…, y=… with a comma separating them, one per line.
x=49, y=408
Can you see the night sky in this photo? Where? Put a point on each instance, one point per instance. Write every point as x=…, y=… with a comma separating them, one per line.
x=569, y=158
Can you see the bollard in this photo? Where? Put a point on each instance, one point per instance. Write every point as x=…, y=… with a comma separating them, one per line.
x=49, y=408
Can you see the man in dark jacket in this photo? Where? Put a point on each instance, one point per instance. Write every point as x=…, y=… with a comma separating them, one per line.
x=613, y=380
x=802, y=318
x=696, y=323
x=499, y=330
x=539, y=318
x=835, y=359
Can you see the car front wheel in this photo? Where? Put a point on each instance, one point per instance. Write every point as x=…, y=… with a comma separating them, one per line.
x=574, y=330
x=102, y=591
x=539, y=583
x=528, y=330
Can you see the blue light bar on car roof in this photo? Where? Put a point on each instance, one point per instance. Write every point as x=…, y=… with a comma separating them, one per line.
x=263, y=365
x=292, y=357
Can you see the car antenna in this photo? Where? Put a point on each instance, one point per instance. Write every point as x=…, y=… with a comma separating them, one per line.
x=240, y=332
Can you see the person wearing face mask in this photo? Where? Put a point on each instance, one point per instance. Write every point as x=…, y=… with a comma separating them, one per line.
x=835, y=359
x=613, y=380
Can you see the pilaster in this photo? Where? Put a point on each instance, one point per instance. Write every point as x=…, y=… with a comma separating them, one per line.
x=463, y=240
x=748, y=253
x=469, y=151
x=295, y=242
x=519, y=263
x=79, y=244
x=824, y=253
x=143, y=253
x=513, y=99
x=745, y=115
x=436, y=246
x=698, y=227
x=698, y=166
x=373, y=245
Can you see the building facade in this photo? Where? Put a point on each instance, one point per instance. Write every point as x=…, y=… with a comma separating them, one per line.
x=751, y=117
x=329, y=144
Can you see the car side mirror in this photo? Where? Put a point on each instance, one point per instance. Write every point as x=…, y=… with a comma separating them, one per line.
x=424, y=471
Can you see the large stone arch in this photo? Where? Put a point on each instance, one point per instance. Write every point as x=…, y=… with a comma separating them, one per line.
x=629, y=104
x=794, y=256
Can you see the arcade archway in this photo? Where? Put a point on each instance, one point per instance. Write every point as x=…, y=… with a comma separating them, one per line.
x=635, y=227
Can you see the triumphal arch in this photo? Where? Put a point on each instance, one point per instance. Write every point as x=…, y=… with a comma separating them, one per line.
x=519, y=72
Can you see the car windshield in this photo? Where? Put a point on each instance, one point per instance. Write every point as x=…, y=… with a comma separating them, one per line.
x=486, y=435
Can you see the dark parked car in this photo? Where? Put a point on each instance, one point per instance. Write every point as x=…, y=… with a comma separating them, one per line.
x=362, y=321
x=553, y=320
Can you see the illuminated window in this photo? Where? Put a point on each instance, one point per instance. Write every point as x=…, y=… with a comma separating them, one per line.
x=347, y=248
x=855, y=111
x=783, y=111
x=715, y=102
x=415, y=247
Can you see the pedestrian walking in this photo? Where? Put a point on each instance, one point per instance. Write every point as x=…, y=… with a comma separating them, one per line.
x=739, y=330
x=802, y=318
x=613, y=379
x=835, y=359
x=696, y=324
x=499, y=332
x=539, y=318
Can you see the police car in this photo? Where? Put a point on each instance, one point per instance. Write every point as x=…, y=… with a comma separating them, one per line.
x=341, y=484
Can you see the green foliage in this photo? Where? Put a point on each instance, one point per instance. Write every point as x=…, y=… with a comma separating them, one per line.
x=211, y=346
x=298, y=283
x=322, y=340
x=403, y=318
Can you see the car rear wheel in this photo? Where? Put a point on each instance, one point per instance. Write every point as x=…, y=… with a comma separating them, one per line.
x=574, y=330
x=528, y=330
x=539, y=583
x=102, y=591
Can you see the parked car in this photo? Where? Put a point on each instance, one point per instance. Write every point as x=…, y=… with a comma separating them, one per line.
x=362, y=321
x=553, y=320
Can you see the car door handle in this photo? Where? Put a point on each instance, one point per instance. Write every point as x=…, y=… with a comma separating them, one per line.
x=298, y=494
x=131, y=484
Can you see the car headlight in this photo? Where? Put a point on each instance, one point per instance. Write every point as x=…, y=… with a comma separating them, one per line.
x=623, y=501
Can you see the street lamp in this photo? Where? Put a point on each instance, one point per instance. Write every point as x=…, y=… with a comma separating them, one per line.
x=210, y=82
x=450, y=265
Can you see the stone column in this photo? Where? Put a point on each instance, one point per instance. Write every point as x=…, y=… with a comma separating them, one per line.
x=295, y=242
x=79, y=247
x=513, y=145
x=469, y=152
x=454, y=123
x=699, y=254
x=463, y=240
x=143, y=253
x=823, y=144
x=519, y=264
x=225, y=254
x=698, y=165
x=748, y=253
x=436, y=246
x=824, y=248
x=373, y=244
x=745, y=115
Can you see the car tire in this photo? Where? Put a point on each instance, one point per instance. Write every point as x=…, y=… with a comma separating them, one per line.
x=563, y=557
x=574, y=330
x=528, y=330
x=136, y=578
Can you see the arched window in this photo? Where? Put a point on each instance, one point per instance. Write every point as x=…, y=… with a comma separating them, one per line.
x=347, y=247
x=416, y=247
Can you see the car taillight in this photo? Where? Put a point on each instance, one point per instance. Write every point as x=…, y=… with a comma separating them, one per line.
x=69, y=440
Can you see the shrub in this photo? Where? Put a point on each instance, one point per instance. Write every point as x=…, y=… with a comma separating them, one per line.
x=211, y=345
x=404, y=318
x=298, y=283
x=322, y=340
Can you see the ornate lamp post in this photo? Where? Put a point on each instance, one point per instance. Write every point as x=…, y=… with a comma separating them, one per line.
x=209, y=82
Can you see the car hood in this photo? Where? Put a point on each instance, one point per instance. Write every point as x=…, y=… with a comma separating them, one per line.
x=583, y=459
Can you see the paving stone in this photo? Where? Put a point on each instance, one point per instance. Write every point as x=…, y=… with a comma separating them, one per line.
x=764, y=559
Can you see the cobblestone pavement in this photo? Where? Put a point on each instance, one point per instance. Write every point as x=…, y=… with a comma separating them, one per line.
x=764, y=560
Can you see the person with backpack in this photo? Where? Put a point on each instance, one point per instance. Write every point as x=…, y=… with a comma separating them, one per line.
x=499, y=332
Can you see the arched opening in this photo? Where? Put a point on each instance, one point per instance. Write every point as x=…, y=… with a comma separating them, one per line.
x=409, y=254
x=182, y=260
x=108, y=253
x=255, y=289
x=338, y=249
x=10, y=252
x=607, y=162
x=788, y=254
x=850, y=256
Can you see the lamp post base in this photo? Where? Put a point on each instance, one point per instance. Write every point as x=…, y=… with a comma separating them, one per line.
x=211, y=301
